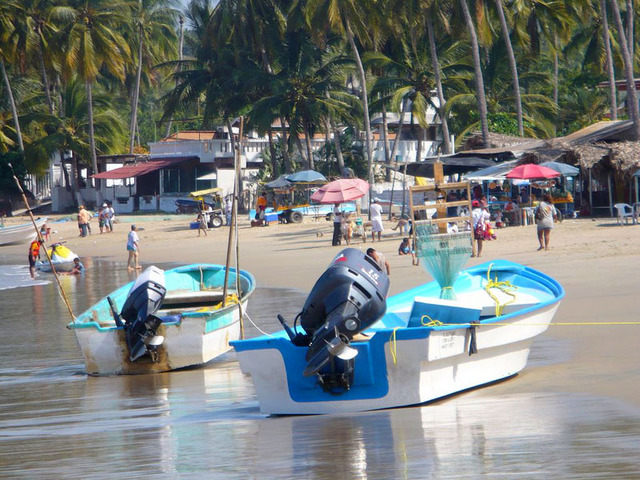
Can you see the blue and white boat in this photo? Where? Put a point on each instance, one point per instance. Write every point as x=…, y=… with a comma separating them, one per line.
x=350, y=350
x=163, y=321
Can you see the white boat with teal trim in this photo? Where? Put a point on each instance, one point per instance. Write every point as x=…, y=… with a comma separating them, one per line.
x=350, y=350
x=23, y=233
x=165, y=320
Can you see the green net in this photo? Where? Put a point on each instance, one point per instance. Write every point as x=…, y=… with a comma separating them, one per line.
x=443, y=254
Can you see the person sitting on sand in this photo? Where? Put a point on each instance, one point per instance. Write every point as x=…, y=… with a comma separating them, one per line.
x=404, y=248
x=77, y=269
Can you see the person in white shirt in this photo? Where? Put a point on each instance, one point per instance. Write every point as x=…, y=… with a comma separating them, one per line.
x=480, y=217
x=376, y=219
x=133, y=247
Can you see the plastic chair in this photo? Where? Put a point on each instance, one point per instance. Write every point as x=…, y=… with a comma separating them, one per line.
x=625, y=211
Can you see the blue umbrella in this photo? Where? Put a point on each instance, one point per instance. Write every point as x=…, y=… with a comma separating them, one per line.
x=280, y=182
x=307, y=176
x=565, y=169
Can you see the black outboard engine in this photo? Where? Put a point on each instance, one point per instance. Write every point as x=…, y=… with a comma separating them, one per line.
x=349, y=297
x=144, y=299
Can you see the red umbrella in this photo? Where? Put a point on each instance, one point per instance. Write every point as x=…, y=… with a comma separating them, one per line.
x=341, y=190
x=531, y=171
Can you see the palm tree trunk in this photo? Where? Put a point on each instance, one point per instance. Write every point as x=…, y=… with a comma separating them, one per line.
x=45, y=81
x=446, y=136
x=632, y=97
x=136, y=94
x=365, y=100
x=385, y=140
x=272, y=152
x=394, y=150
x=338, y=147
x=301, y=149
x=180, y=48
x=512, y=65
x=92, y=142
x=12, y=103
x=630, y=19
x=606, y=41
x=477, y=66
x=285, y=147
x=307, y=136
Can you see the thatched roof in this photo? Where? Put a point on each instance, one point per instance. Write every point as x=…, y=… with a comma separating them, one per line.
x=588, y=155
x=496, y=140
x=625, y=156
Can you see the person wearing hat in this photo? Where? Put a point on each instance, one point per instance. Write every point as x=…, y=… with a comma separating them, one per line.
x=109, y=215
x=376, y=219
x=133, y=247
x=479, y=217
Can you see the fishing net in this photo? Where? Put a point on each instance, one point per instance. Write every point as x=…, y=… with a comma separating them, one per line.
x=443, y=254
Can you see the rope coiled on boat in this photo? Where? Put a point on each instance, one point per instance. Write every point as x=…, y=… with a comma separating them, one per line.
x=505, y=287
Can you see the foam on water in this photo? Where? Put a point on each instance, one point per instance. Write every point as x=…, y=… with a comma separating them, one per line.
x=17, y=276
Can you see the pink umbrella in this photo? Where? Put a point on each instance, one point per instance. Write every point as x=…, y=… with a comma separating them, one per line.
x=531, y=171
x=341, y=190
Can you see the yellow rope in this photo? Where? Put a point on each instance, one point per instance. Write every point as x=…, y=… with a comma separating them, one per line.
x=504, y=287
x=393, y=346
x=431, y=323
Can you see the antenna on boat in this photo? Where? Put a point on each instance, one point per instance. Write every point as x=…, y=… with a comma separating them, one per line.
x=41, y=239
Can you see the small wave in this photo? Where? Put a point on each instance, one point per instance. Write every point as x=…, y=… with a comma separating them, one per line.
x=17, y=276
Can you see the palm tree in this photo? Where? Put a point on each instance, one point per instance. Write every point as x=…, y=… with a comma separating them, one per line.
x=153, y=22
x=632, y=97
x=477, y=68
x=71, y=132
x=92, y=42
x=8, y=11
x=347, y=17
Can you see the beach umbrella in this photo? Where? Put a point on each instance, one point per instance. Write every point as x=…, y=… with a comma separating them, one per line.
x=531, y=171
x=565, y=169
x=307, y=176
x=341, y=190
x=280, y=182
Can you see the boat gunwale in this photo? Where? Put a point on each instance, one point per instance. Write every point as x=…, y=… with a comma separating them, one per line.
x=251, y=286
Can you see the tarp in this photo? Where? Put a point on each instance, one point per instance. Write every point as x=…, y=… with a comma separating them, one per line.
x=495, y=172
x=137, y=169
x=450, y=166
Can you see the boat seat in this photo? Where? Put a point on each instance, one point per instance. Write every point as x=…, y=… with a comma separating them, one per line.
x=445, y=311
x=189, y=297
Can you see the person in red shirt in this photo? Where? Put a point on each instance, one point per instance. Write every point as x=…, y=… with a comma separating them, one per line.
x=34, y=253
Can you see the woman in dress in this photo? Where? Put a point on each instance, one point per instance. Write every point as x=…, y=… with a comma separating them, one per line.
x=545, y=215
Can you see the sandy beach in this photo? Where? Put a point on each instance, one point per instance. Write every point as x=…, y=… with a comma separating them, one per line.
x=596, y=261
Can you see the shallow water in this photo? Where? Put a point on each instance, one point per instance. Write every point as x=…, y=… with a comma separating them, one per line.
x=56, y=422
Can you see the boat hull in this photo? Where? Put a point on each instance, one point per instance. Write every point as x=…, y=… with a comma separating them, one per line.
x=18, y=234
x=398, y=365
x=191, y=338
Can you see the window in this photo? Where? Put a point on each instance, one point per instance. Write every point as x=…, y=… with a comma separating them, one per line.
x=171, y=180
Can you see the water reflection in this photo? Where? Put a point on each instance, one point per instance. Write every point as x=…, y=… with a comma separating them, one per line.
x=56, y=422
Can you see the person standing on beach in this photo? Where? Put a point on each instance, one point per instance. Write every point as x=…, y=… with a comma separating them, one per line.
x=545, y=215
x=376, y=220
x=479, y=217
x=83, y=220
x=110, y=215
x=34, y=254
x=133, y=247
x=337, y=225
x=228, y=209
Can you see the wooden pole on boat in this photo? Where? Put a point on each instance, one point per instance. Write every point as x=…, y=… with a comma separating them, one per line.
x=234, y=214
x=39, y=237
x=235, y=226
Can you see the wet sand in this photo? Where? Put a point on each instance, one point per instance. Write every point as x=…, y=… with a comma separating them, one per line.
x=596, y=261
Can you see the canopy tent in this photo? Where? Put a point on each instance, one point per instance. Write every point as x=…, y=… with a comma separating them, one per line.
x=564, y=169
x=307, y=176
x=450, y=166
x=494, y=172
x=138, y=169
x=280, y=182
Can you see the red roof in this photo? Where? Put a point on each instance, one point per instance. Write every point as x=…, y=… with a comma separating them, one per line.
x=137, y=169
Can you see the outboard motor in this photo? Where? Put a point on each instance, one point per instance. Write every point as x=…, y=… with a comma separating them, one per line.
x=144, y=299
x=349, y=297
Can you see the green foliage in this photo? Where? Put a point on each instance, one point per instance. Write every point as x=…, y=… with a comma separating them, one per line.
x=8, y=187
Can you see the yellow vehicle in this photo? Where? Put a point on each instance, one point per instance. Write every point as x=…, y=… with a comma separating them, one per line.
x=209, y=202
